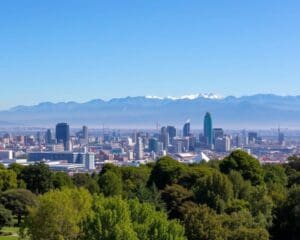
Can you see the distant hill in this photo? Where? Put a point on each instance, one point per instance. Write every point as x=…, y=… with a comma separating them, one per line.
x=257, y=111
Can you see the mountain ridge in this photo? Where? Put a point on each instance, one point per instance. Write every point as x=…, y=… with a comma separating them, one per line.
x=259, y=110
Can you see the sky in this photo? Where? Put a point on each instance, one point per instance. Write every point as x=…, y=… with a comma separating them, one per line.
x=71, y=50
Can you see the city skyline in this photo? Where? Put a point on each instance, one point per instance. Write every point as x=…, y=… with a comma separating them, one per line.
x=56, y=51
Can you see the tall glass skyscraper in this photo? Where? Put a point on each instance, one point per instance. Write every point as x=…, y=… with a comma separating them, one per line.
x=48, y=136
x=208, y=129
x=63, y=134
x=164, y=137
x=187, y=129
x=172, y=133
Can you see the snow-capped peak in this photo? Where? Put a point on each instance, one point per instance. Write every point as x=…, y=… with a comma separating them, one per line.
x=188, y=97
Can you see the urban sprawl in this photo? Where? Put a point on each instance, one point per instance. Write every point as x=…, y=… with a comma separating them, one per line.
x=73, y=151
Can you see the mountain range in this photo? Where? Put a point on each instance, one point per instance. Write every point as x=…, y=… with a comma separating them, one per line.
x=256, y=111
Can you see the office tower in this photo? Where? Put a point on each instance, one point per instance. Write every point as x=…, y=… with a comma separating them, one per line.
x=208, y=132
x=130, y=155
x=83, y=136
x=217, y=133
x=223, y=144
x=202, y=140
x=178, y=146
x=39, y=137
x=280, y=138
x=164, y=137
x=172, y=133
x=139, y=149
x=85, y=132
x=63, y=134
x=252, y=137
x=181, y=144
x=48, y=136
x=153, y=145
x=89, y=161
x=192, y=143
x=187, y=129
x=239, y=141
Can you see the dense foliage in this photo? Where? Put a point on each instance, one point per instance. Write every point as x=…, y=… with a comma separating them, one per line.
x=233, y=199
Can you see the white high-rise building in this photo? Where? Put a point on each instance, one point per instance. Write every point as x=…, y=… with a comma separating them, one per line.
x=90, y=161
x=139, y=149
x=223, y=144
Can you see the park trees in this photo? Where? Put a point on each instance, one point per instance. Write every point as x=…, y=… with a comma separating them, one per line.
x=58, y=215
x=248, y=166
x=117, y=219
x=18, y=201
x=38, y=178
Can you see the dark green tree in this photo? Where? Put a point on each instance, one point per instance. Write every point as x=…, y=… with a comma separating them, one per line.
x=110, y=184
x=287, y=220
x=6, y=217
x=244, y=163
x=18, y=201
x=215, y=190
x=174, y=197
x=201, y=222
x=242, y=226
x=294, y=162
x=275, y=174
x=8, y=179
x=166, y=171
x=134, y=179
x=87, y=181
x=61, y=179
x=242, y=189
x=38, y=178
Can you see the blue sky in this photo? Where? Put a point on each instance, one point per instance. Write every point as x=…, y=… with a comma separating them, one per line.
x=60, y=50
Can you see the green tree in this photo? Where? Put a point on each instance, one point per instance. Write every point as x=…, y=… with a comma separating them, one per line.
x=294, y=162
x=110, y=220
x=111, y=168
x=150, y=224
x=87, y=181
x=193, y=173
x=38, y=178
x=150, y=194
x=110, y=184
x=61, y=179
x=133, y=179
x=242, y=226
x=201, y=222
x=5, y=217
x=166, y=171
x=287, y=220
x=58, y=215
x=8, y=179
x=18, y=201
x=242, y=189
x=215, y=190
x=18, y=168
x=118, y=219
x=275, y=174
x=293, y=176
x=261, y=206
x=174, y=197
x=244, y=163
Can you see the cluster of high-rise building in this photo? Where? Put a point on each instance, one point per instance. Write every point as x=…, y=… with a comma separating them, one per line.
x=84, y=150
